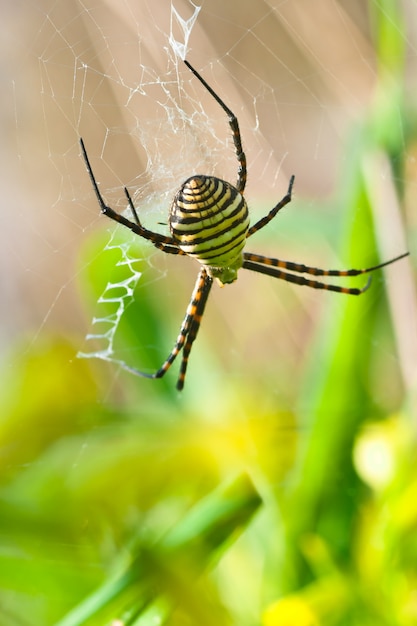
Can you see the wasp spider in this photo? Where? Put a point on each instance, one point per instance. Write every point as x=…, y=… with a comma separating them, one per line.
x=209, y=221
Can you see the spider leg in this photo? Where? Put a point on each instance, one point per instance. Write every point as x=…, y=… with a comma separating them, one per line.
x=272, y=213
x=194, y=327
x=188, y=331
x=234, y=125
x=167, y=244
x=301, y=280
x=300, y=268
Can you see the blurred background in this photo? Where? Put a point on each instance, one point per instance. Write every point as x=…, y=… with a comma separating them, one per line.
x=279, y=487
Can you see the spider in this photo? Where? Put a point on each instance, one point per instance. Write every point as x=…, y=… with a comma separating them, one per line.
x=209, y=221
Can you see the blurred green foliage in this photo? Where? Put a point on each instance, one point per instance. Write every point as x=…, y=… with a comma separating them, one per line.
x=124, y=503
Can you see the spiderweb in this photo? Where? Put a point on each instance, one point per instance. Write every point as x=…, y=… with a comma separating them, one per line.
x=112, y=73
x=120, y=294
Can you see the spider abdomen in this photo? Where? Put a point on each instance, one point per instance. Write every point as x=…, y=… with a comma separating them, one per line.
x=209, y=220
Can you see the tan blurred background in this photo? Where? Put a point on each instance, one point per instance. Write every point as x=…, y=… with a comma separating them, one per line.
x=298, y=74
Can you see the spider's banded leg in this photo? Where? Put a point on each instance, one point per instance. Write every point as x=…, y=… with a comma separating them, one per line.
x=272, y=213
x=315, y=271
x=167, y=244
x=189, y=327
x=234, y=125
x=302, y=280
x=193, y=329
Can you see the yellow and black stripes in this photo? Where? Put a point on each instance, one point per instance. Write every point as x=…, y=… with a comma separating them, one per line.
x=209, y=220
x=300, y=268
x=276, y=268
x=300, y=279
x=189, y=328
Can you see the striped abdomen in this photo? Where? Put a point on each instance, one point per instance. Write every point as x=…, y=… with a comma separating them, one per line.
x=209, y=220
